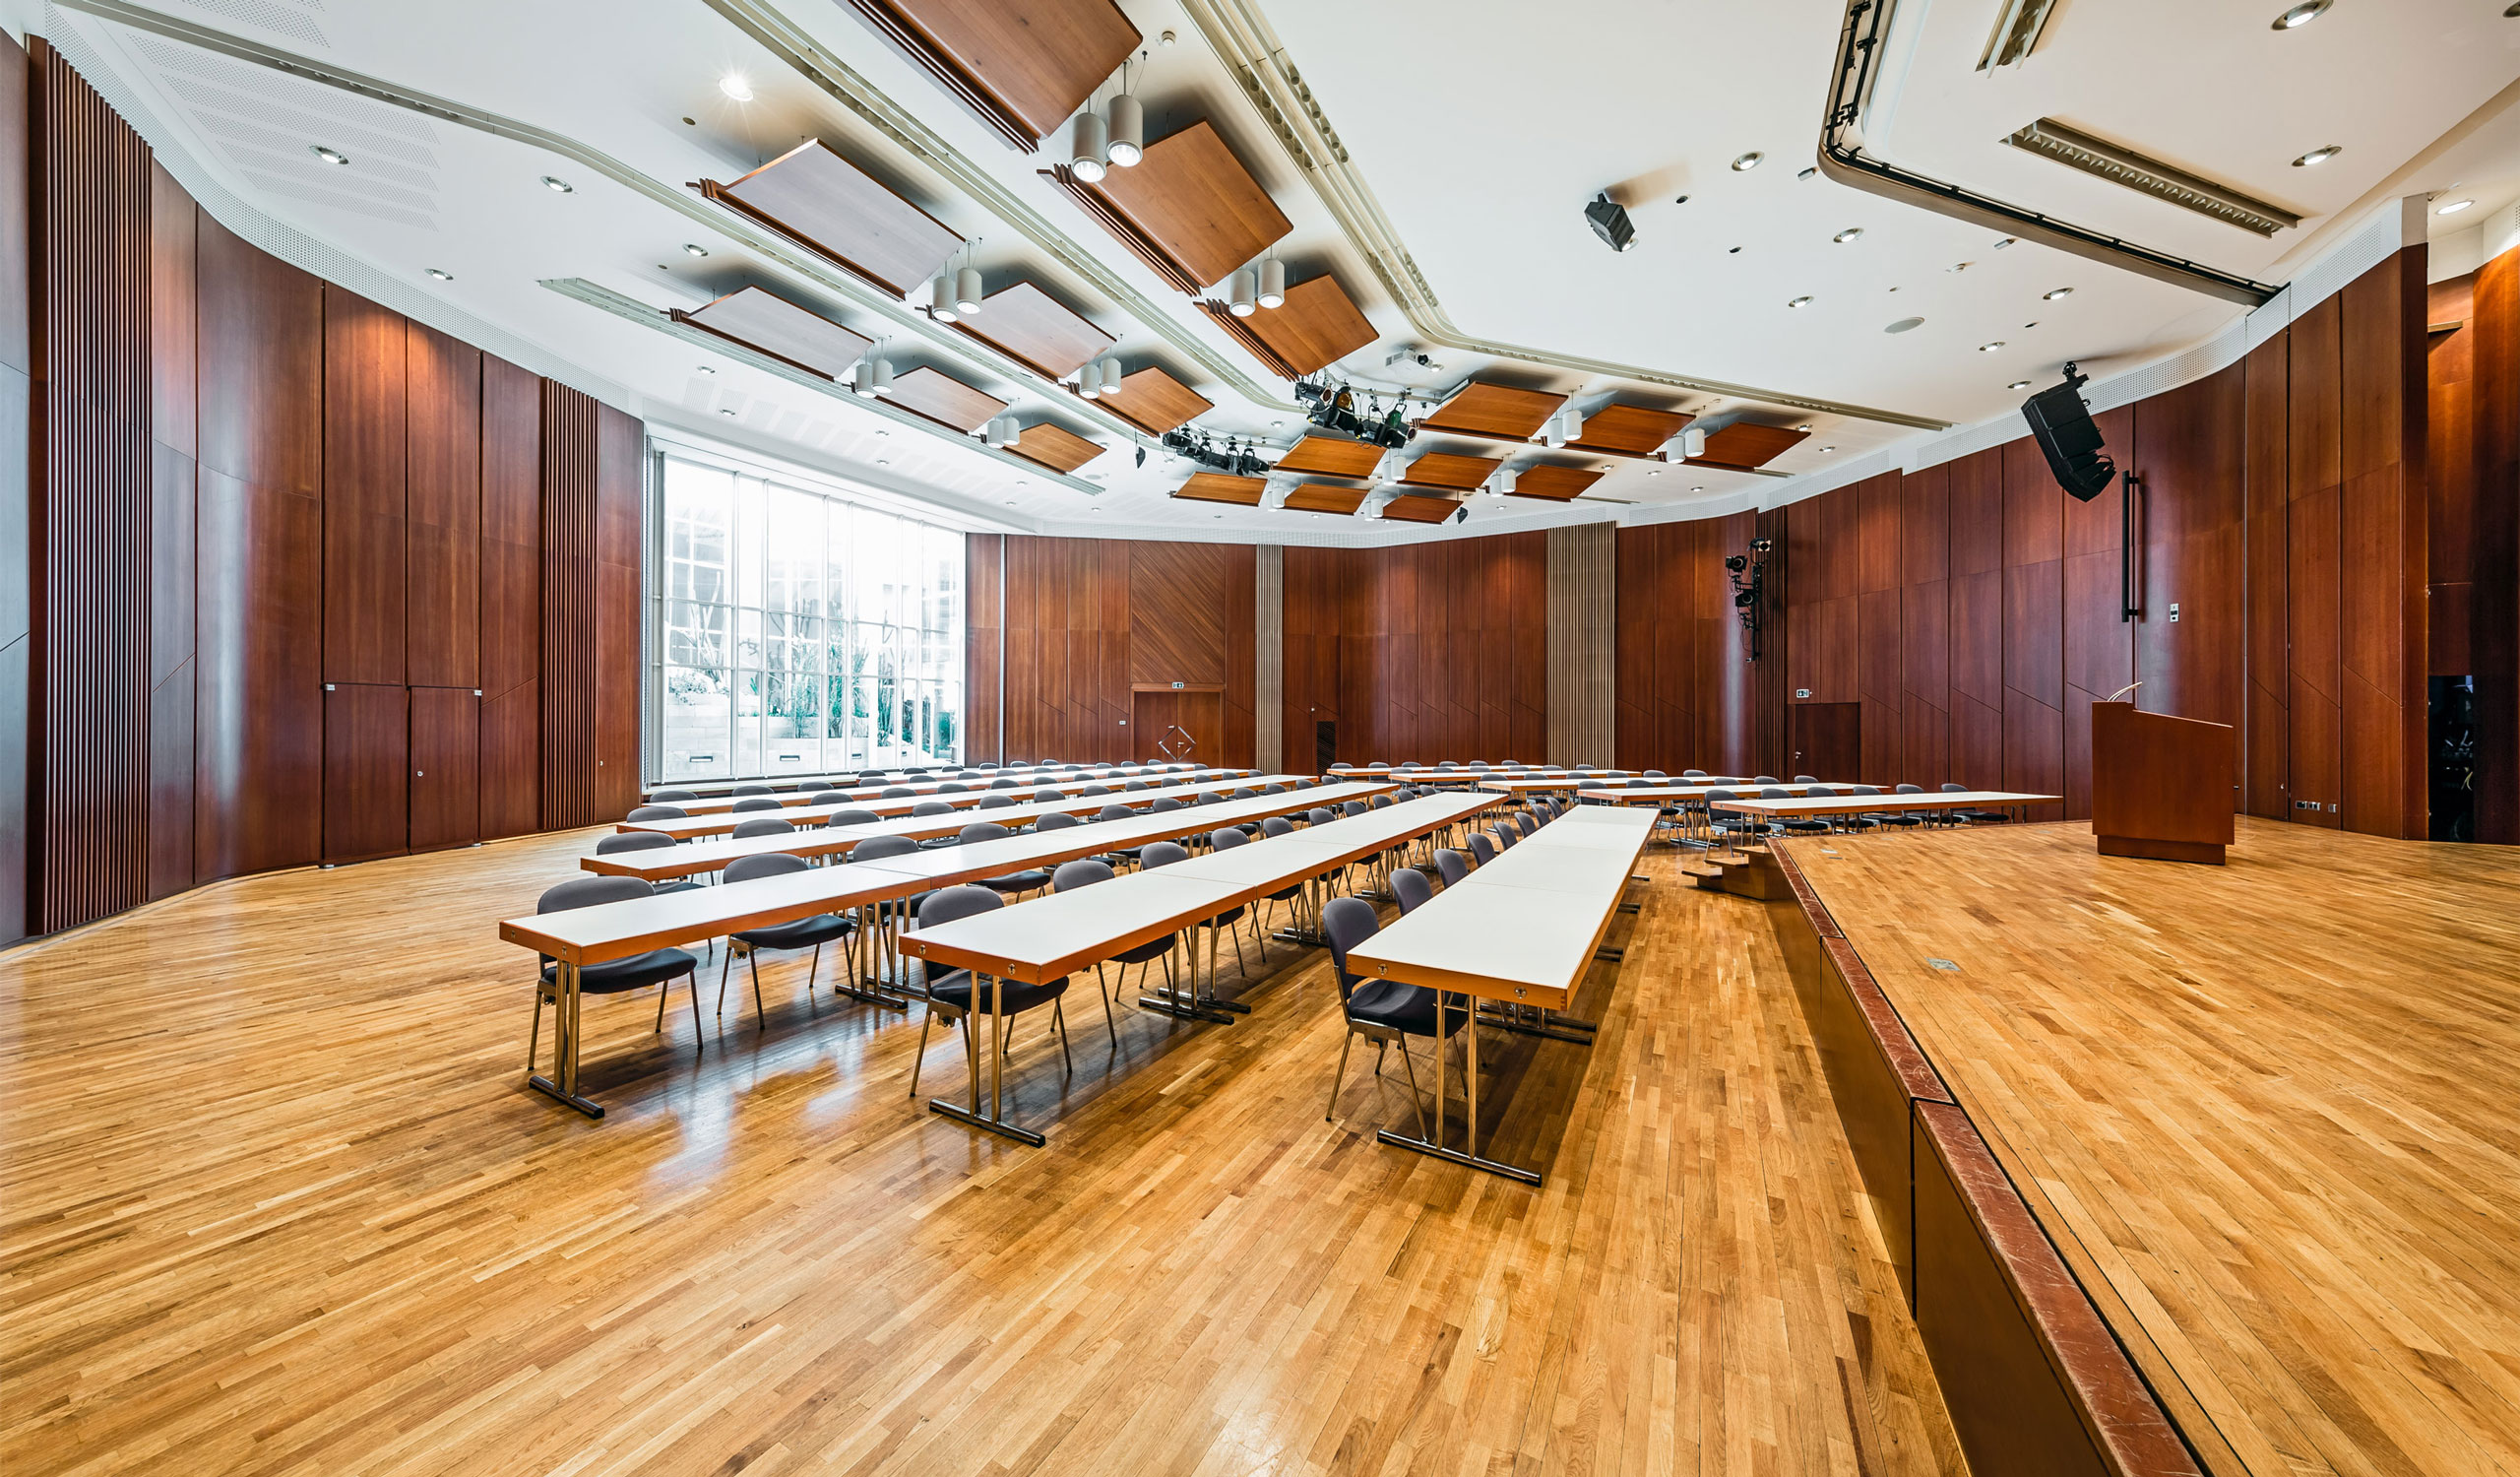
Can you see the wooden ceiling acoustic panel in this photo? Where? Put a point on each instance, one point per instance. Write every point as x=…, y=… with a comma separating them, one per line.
x=945, y=400
x=1329, y=456
x=1215, y=486
x=769, y=324
x=830, y=206
x=1317, y=326
x=1417, y=509
x=1628, y=430
x=1154, y=401
x=1057, y=447
x=1555, y=482
x=1746, y=446
x=1442, y=469
x=1187, y=208
x=1317, y=497
x=1025, y=66
x=1036, y=330
x=1498, y=411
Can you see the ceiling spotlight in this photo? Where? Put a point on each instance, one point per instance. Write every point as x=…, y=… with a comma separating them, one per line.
x=1272, y=282
x=940, y=299
x=1089, y=379
x=2019, y=384
x=441, y=276
x=1111, y=376
x=1991, y=348
x=1085, y=160
x=734, y=86
x=1692, y=444
x=1903, y=325
x=2318, y=156
x=1126, y=130
x=1610, y=220
x=328, y=156
x=1243, y=292
x=1748, y=161
x=2454, y=207
x=875, y=377
x=558, y=185
x=1802, y=302
x=2057, y=295
x=1850, y=235
x=692, y=249
x=968, y=296
x=2302, y=15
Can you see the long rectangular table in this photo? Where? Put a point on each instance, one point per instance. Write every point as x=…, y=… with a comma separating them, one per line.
x=718, y=824
x=1820, y=808
x=934, y=789
x=843, y=778
x=579, y=937
x=1522, y=930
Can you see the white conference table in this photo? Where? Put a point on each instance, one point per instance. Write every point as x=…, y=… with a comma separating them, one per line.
x=1522, y=930
x=719, y=822
x=843, y=778
x=933, y=788
x=1822, y=807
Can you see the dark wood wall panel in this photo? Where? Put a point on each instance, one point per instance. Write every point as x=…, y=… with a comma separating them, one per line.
x=510, y=628
x=445, y=754
x=2495, y=611
x=2450, y=470
x=569, y=607
x=442, y=503
x=2380, y=603
x=2313, y=585
x=2266, y=385
x=173, y=559
x=1456, y=635
x=1924, y=624
x=17, y=541
x=94, y=499
x=620, y=476
x=1310, y=632
x=367, y=770
x=364, y=445
x=984, y=629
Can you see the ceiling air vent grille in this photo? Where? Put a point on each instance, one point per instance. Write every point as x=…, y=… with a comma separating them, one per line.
x=2122, y=166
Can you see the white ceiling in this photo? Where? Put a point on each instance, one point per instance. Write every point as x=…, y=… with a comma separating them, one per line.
x=1480, y=134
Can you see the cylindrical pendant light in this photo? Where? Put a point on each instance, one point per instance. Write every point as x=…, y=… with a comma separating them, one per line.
x=1573, y=420
x=1272, y=282
x=1002, y=431
x=1086, y=160
x=879, y=374
x=1110, y=368
x=967, y=292
x=861, y=380
x=1089, y=379
x=940, y=299
x=1241, y=291
x=1126, y=144
x=1692, y=444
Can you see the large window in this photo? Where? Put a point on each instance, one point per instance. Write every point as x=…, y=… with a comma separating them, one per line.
x=797, y=633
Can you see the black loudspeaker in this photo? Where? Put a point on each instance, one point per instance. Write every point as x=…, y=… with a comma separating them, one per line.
x=2062, y=422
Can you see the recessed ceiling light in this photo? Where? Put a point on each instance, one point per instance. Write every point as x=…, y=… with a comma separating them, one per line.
x=328, y=156
x=1735, y=251
x=1960, y=266
x=693, y=249
x=2302, y=15
x=1806, y=430
x=1654, y=472
x=2059, y=295
x=1828, y=448
x=441, y=276
x=2318, y=156
x=2007, y=241
x=726, y=413
x=1750, y=161
x=1809, y=171
x=558, y=185
x=1802, y=302
x=2019, y=384
x=1697, y=490
x=1010, y=502
x=2454, y=207
x=734, y=86
x=1991, y=348
x=707, y=368
x=1850, y=235
x=1903, y=325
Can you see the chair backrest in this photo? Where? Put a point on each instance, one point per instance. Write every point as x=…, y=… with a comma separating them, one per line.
x=1115, y=811
x=877, y=848
x=1056, y=820
x=767, y=864
x=1482, y=848
x=1163, y=854
x=753, y=802
x=1378, y=803
x=1273, y=790
x=1506, y=836
x=1355, y=807
x=853, y=818
x=1349, y=921
x=931, y=808
x=674, y=794
x=1763, y=779
x=1722, y=794
x=1004, y=782
x=1919, y=788
x=1591, y=784
x=1410, y=887
x=1049, y=795
x=750, y=790
x=1317, y=815
x=1091, y=790
x=1774, y=792
x=762, y=825
x=1452, y=863
x=1527, y=822
x=950, y=786
x=1168, y=804
x=1446, y=764
x=1655, y=774
x=630, y=841
x=1208, y=797
x=1082, y=872
x=983, y=830
x=947, y=904
x=897, y=792
x=1582, y=768
x=1135, y=785
x=1869, y=790
x=1276, y=825
x=1227, y=838
x=657, y=812
x=1247, y=792
x=825, y=796
x=587, y=892
x=994, y=802
x=1692, y=774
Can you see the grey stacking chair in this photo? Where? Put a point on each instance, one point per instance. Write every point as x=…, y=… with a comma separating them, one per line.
x=955, y=997
x=1732, y=823
x=750, y=790
x=762, y=825
x=823, y=794
x=804, y=932
x=1004, y=782
x=1084, y=873
x=755, y=803
x=657, y=812
x=642, y=841
x=1970, y=816
x=657, y=967
x=1693, y=774
x=1043, y=796
x=1056, y=820
x=1806, y=779
x=876, y=849
x=1483, y=847
x=853, y=818
x=952, y=787
x=1765, y=779
x=1031, y=880
x=998, y=801
x=928, y=808
x=1804, y=825
x=674, y=794
x=1410, y=887
x=1452, y=863
x=897, y=792
x=1384, y=1012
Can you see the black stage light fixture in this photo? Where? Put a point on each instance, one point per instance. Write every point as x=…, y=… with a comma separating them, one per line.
x=1608, y=219
x=2062, y=424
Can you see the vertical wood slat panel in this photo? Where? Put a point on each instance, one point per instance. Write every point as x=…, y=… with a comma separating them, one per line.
x=17, y=543
x=91, y=275
x=569, y=655
x=172, y=555
x=619, y=518
x=511, y=612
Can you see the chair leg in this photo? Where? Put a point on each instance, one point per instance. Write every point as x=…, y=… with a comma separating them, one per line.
x=699, y=1043
x=760, y=1017
x=534, y=1038
x=1347, y=1039
x=725, y=962
x=1108, y=1024
x=664, y=991
x=926, y=1018
x=1417, y=1099
x=1382, y=1052
x=1058, y=1018
x=1240, y=967
x=809, y=971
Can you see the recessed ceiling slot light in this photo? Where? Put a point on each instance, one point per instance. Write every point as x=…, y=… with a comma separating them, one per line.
x=441, y=276
x=726, y=413
x=1991, y=348
x=2318, y=156
x=2454, y=207
x=1807, y=171
x=2302, y=15
x=2007, y=241
x=1802, y=302
x=693, y=249
x=734, y=86
x=2141, y=172
x=2019, y=384
x=558, y=185
x=1748, y=161
x=1848, y=236
x=328, y=156
x=2057, y=294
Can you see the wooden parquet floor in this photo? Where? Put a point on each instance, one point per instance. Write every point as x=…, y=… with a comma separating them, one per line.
x=273, y=1199
x=2266, y=1110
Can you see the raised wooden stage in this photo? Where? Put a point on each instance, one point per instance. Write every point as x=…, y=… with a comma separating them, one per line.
x=2269, y=1115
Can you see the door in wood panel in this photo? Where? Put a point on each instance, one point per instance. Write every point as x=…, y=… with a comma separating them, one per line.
x=510, y=766
x=258, y=734
x=446, y=791
x=366, y=776
x=1177, y=726
x=1828, y=739
x=364, y=461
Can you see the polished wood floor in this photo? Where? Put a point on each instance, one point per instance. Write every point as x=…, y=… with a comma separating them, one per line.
x=2269, y=1111
x=272, y=1200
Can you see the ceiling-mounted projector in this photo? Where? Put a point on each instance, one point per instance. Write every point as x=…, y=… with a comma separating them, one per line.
x=1608, y=219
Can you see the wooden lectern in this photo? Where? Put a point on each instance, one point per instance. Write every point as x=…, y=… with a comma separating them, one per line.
x=2161, y=786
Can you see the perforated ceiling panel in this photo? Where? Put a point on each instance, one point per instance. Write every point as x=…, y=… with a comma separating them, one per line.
x=288, y=17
